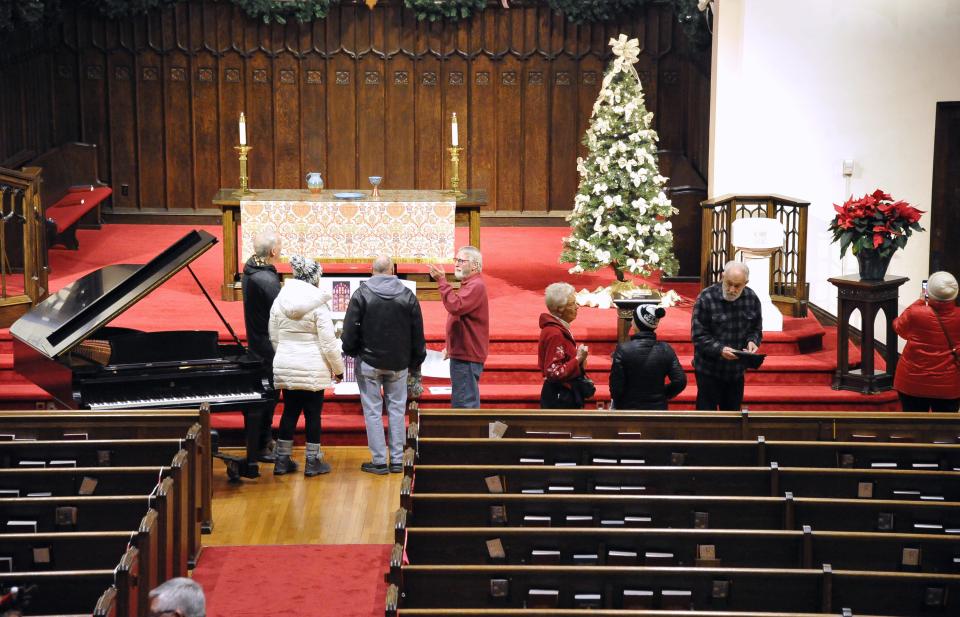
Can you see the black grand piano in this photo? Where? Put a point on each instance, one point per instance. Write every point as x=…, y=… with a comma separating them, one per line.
x=65, y=345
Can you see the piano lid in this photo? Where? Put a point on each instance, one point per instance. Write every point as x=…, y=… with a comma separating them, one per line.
x=69, y=316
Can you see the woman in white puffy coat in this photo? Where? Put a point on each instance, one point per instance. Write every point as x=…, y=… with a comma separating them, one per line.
x=307, y=360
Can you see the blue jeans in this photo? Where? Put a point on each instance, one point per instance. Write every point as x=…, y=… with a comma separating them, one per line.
x=465, y=382
x=394, y=386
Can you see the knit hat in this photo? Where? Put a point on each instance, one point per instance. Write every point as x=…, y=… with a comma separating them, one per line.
x=305, y=269
x=942, y=286
x=648, y=316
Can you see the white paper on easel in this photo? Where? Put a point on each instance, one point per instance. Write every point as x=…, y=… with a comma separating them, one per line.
x=435, y=365
x=346, y=388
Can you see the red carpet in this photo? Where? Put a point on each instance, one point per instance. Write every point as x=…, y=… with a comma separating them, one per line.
x=333, y=580
x=518, y=264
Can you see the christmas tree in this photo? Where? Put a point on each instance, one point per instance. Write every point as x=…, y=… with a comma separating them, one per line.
x=620, y=215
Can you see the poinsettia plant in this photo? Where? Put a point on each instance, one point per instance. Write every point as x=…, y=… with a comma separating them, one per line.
x=874, y=222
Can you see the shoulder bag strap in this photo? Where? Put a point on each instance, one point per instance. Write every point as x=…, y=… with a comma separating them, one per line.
x=953, y=350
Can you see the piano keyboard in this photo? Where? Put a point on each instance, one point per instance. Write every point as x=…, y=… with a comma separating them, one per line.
x=213, y=399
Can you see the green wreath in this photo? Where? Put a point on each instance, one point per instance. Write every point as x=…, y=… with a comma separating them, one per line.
x=455, y=10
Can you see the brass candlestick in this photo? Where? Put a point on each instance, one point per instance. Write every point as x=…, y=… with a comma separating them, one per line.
x=244, y=179
x=455, y=172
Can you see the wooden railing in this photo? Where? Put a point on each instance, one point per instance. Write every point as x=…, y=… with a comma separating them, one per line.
x=23, y=251
x=788, y=267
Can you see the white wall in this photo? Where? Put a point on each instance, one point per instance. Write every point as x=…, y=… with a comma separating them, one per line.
x=801, y=85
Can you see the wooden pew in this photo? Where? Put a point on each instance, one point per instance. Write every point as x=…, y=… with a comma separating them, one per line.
x=732, y=453
x=93, y=452
x=66, y=169
x=681, y=511
x=68, y=480
x=124, y=425
x=776, y=425
x=822, y=590
x=617, y=480
x=737, y=548
x=79, y=591
x=393, y=599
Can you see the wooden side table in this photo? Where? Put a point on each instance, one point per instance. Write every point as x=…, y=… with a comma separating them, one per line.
x=870, y=297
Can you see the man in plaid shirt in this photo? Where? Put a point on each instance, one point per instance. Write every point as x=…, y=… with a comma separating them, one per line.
x=726, y=317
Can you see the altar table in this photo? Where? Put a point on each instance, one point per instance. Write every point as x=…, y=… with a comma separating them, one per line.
x=466, y=209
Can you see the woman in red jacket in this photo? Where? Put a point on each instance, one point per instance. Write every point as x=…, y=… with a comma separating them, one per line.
x=928, y=374
x=560, y=359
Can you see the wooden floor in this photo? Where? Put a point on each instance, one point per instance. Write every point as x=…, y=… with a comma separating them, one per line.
x=346, y=506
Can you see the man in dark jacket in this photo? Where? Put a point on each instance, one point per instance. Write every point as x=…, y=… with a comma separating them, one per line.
x=261, y=284
x=383, y=330
x=726, y=319
x=641, y=364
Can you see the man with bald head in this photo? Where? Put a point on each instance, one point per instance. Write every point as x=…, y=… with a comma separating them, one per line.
x=383, y=331
x=261, y=284
x=726, y=318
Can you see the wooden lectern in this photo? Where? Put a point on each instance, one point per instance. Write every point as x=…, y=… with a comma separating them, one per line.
x=870, y=297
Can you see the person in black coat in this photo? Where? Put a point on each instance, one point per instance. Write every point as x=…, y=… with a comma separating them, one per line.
x=641, y=364
x=261, y=284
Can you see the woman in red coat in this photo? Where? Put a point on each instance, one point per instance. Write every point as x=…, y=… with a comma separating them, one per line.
x=928, y=374
x=559, y=358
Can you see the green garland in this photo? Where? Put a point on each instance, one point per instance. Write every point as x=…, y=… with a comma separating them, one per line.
x=454, y=10
x=36, y=13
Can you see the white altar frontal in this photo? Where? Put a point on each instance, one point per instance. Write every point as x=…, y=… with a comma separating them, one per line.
x=410, y=226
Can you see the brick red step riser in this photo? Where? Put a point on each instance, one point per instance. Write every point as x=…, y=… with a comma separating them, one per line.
x=603, y=377
x=606, y=348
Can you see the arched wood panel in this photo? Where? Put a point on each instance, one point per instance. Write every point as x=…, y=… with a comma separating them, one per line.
x=359, y=93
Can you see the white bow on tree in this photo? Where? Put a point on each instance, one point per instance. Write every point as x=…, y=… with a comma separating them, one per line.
x=627, y=53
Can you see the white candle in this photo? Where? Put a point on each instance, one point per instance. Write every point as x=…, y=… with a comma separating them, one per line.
x=455, y=139
x=243, y=129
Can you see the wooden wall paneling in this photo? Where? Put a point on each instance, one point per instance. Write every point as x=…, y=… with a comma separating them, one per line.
x=65, y=90
x=432, y=157
x=121, y=92
x=521, y=137
x=400, y=116
x=287, y=85
x=230, y=78
x=178, y=124
x=93, y=91
x=481, y=149
x=207, y=146
x=563, y=121
x=536, y=112
x=509, y=120
x=258, y=83
x=152, y=190
x=314, y=82
x=342, y=103
x=371, y=95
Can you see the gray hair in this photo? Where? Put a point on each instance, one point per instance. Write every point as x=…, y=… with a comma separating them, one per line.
x=180, y=594
x=473, y=253
x=264, y=243
x=737, y=265
x=556, y=295
x=383, y=265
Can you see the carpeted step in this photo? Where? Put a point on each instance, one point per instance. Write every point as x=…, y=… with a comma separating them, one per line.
x=23, y=395
x=817, y=368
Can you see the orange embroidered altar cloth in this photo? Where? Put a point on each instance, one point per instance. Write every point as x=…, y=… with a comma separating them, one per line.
x=409, y=225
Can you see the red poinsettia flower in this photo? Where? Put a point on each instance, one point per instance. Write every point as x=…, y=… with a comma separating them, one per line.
x=874, y=222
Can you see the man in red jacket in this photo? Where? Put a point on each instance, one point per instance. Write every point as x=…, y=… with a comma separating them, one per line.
x=468, y=326
x=928, y=374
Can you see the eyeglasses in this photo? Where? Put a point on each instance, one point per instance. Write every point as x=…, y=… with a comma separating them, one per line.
x=461, y=261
